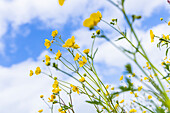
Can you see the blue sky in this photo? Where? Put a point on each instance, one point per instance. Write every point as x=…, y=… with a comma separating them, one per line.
x=30, y=45
x=25, y=24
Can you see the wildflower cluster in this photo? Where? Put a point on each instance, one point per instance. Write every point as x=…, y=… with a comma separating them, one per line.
x=149, y=94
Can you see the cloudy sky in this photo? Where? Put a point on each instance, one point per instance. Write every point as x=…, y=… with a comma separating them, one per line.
x=25, y=24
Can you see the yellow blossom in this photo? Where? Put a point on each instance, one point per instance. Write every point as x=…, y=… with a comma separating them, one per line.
x=86, y=51
x=47, y=58
x=40, y=111
x=82, y=79
x=121, y=101
x=116, y=106
x=37, y=71
x=133, y=75
x=82, y=63
x=152, y=36
x=121, y=78
x=112, y=88
x=98, y=31
x=47, y=43
x=75, y=88
x=31, y=72
x=131, y=92
x=61, y=2
x=56, y=90
x=76, y=46
x=54, y=33
x=117, y=95
x=145, y=78
x=149, y=97
x=76, y=57
x=61, y=110
x=140, y=88
x=58, y=55
x=169, y=23
x=147, y=64
x=133, y=110
x=144, y=112
x=161, y=19
x=41, y=96
x=136, y=95
x=52, y=98
x=93, y=20
x=70, y=42
x=107, y=86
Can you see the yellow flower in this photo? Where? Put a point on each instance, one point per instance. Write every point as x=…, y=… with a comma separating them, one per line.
x=107, y=86
x=76, y=57
x=144, y=112
x=82, y=79
x=121, y=78
x=47, y=43
x=61, y=2
x=93, y=20
x=58, y=55
x=61, y=110
x=140, y=88
x=152, y=36
x=70, y=42
x=54, y=33
x=112, y=88
x=133, y=75
x=76, y=46
x=147, y=64
x=86, y=51
x=167, y=37
x=47, y=58
x=56, y=90
x=117, y=95
x=75, y=88
x=98, y=31
x=145, y=78
x=121, y=101
x=82, y=63
x=41, y=96
x=136, y=95
x=40, y=111
x=131, y=92
x=133, y=110
x=31, y=73
x=169, y=23
x=37, y=71
x=116, y=106
x=52, y=98
x=161, y=19
x=149, y=97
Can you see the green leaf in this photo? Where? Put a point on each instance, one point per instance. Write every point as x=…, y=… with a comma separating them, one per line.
x=128, y=69
x=94, y=102
x=167, y=51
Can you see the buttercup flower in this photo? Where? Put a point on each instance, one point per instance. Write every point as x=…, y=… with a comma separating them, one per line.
x=76, y=57
x=140, y=88
x=169, y=23
x=121, y=101
x=152, y=36
x=70, y=42
x=121, y=78
x=40, y=111
x=161, y=19
x=54, y=33
x=58, y=55
x=93, y=20
x=61, y=2
x=149, y=97
x=81, y=63
x=52, y=98
x=47, y=43
x=41, y=96
x=86, y=51
x=37, y=71
x=56, y=90
x=76, y=46
x=133, y=110
x=47, y=58
x=75, y=88
x=61, y=110
x=31, y=72
x=107, y=86
x=82, y=79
